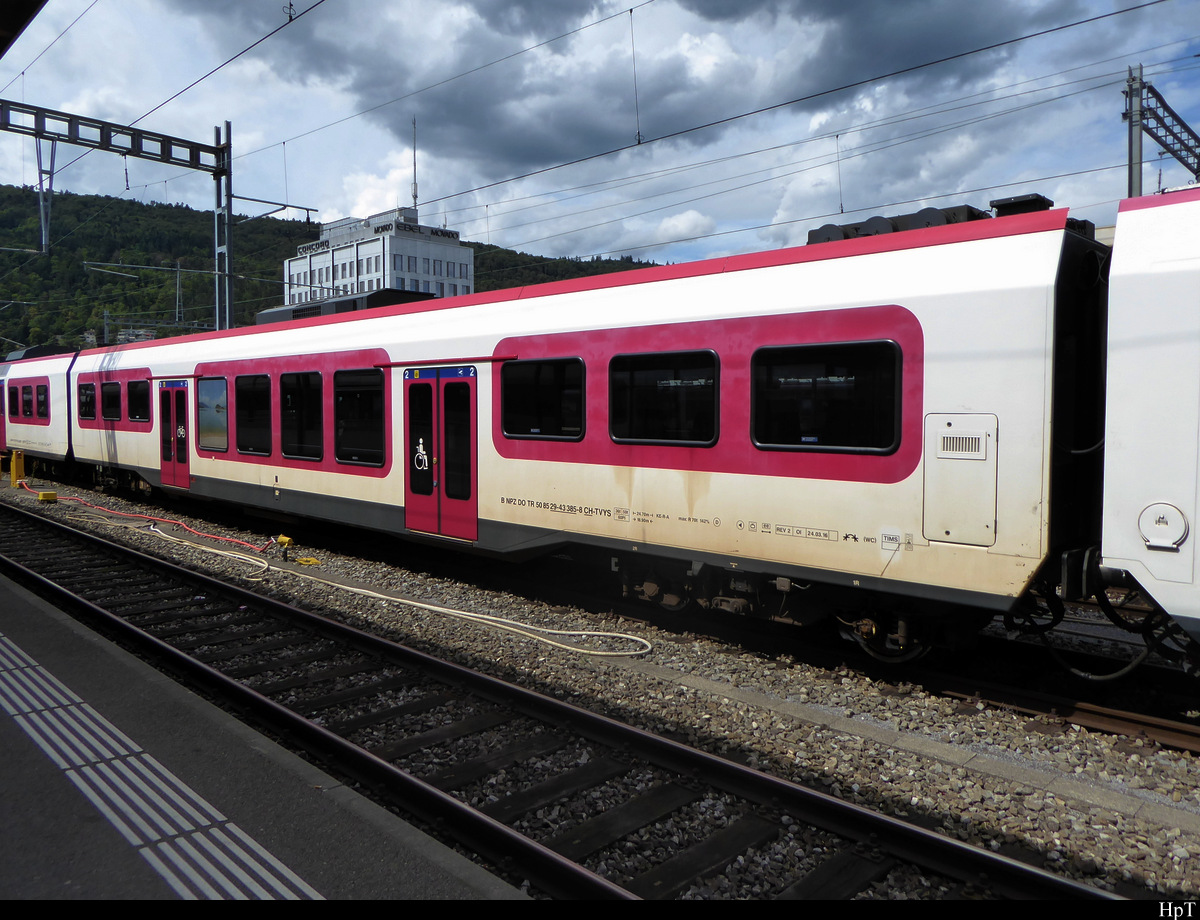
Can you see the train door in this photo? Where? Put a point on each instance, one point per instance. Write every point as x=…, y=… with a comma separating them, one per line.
x=173, y=432
x=440, y=479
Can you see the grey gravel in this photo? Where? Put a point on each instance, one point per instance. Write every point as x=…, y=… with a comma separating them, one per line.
x=1091, y=806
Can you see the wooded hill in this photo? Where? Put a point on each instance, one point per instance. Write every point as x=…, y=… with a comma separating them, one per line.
x=57, y=299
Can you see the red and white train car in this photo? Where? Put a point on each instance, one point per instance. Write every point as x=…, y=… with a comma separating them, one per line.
x=36, y=416
x=1151, y=471
x=909, y=425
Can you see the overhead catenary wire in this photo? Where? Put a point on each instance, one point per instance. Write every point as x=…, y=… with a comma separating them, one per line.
x=685, y=131
x=38, y=57
x=1106, y=81
x=219, y=67
x=160, y=105
x=773, y=173
x=561, y=234
x=809, y=97
x=880, y=206
x=637, y=112
x=820, y=161
x=540, y=198
x=450, y=79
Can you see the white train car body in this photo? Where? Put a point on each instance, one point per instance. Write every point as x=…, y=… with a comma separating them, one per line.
x=971, y=320
x=914, y=419
x=35, y=406
x=1152, y=440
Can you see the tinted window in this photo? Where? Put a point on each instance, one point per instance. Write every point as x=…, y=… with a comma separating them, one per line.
x=542, y=399
x=27, y=402
x=166, y=434
x=110, y=401
x=253, y=414
x=300, y=415
x=420, y=438
x=666, y=398
x=358, y=413
x=212, y=414
x=87, y=400
x=43, y=401
x=456, y=398
x=139, y=400
x=843, y=397
x=14, y=402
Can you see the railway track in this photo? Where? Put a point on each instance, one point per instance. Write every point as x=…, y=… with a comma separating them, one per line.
x=1183, y=736
x=579, y=804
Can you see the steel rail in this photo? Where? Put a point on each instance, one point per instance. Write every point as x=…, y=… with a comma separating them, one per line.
x=956, y=859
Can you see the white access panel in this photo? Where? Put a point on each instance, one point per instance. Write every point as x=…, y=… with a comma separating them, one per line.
x=960, y=479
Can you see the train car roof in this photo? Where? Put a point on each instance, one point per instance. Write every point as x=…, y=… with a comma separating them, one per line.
x=1168, y=196
x=1014, y=225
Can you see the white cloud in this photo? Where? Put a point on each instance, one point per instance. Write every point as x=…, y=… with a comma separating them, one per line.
x=690, y=223
x=698, y=62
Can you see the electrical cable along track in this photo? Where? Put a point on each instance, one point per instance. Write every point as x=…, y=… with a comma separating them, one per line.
x=430, y=737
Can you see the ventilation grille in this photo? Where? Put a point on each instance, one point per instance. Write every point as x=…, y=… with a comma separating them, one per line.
x=962, y=445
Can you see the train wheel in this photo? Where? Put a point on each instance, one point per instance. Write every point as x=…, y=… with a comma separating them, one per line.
x=675, y=601
x=912, y=652
x=896, y=646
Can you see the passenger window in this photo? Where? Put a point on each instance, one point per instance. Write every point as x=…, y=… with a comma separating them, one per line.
x=841, y=397
x=139, y=400
x=300, y=424
x=665, y=398
x=110, y=401
x=456, y=408
x=420, y=438
x=43, y=401
x=212, y=414
x=253, y=414
x=358, y=414
x=14, y=402
x=542, y=399
x=166, y=435
x=27, y=402
x=87, y=400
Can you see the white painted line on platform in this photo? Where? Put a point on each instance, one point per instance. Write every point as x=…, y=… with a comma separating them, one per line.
x=198, y=852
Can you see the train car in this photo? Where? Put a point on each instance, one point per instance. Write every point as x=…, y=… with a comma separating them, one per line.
x=4, y=401
x=1152, y=437
x=36, y=411
x=905, y=430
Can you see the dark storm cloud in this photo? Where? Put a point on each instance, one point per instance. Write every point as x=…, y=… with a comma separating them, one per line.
x=508, y=115
x=525, y=113
x=863, y=39
x=881, y=38
x=725, y=11
x=850, y=42
x=313, y=45
x=541, y=18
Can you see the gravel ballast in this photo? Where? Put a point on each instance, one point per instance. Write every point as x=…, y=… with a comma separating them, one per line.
x=1105, y=809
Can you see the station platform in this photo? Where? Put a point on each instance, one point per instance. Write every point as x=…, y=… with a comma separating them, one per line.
x=120, y=784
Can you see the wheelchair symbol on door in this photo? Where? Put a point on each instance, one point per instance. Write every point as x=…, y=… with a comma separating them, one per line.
x=420, y=458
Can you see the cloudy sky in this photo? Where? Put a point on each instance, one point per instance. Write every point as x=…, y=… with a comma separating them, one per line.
x=758, y=119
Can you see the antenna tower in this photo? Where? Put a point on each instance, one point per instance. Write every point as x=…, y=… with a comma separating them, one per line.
x=414, y=190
